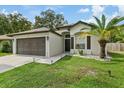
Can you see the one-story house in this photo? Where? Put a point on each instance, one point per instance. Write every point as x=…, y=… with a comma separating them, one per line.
x=43, y=42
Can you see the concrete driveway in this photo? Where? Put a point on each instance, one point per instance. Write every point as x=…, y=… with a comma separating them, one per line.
x=12, y=61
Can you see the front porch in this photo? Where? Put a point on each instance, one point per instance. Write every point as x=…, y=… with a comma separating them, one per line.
x=76, y=43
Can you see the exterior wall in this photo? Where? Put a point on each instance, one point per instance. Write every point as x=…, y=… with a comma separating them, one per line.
x=77, y=28
x=95, y=48
x=56, y=44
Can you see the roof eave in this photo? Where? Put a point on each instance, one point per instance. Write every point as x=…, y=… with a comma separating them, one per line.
x=69, y=26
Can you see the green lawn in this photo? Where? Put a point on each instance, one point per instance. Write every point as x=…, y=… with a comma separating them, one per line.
x=4, y=54
x=68, y=72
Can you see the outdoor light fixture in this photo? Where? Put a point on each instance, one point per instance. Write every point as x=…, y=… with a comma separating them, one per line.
x=47, y=37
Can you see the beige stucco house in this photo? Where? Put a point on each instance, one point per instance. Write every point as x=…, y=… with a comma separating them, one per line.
x=43, y=42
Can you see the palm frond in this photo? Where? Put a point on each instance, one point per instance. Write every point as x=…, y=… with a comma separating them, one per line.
x=94, y=26
x=106, y=31
x=114, y=22
x=103, y=21
x=116, y=28
x=98, y=22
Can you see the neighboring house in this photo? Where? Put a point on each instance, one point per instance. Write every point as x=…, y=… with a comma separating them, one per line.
x=43, y=42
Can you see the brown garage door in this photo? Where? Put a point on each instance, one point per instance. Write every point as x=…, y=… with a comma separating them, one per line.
x=31, y=46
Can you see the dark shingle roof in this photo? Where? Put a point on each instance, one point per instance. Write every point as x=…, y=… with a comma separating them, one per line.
x=39, y=30
x=44, y=29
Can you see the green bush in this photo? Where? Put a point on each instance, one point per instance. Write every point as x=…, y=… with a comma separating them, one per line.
x=81, y=52
x=5, y=46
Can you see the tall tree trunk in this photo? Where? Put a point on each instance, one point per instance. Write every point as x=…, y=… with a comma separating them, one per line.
x=102, y=48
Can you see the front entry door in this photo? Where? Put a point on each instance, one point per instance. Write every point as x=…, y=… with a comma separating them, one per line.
x=67, y=44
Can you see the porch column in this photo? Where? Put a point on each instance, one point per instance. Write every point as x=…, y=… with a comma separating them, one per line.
x=47, y=46
x=14, y=46
x=85, y=42
x=74, y=43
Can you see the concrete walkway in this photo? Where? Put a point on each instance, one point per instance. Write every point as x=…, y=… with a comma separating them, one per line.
x=50, y=60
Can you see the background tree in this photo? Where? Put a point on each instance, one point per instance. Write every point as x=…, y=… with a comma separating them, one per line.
x=13, y=23
x=49, y=19
x=18, y=23
x=38, y=22
x=105, y=31
x=118, y=38
x=4, y=24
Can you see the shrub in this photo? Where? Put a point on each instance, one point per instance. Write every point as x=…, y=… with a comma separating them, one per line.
x=5, y=47
x=81, y=52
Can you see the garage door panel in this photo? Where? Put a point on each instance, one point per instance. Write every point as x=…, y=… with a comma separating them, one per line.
x=31, y=46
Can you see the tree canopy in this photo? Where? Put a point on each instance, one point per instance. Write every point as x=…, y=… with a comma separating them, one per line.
x=13, y=23
x=49, y=19
x=16, y=22
x=4, y=24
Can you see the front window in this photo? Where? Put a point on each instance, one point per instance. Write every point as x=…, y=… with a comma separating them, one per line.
x=80, y=42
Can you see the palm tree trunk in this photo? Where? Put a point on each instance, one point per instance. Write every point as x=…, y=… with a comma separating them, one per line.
x=102, y=48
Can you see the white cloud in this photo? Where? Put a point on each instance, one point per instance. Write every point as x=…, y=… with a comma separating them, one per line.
x=121, y=10
x=114, y=15
x=109, y=17
x=83, y=10
x=61, y=12
x=97, y=10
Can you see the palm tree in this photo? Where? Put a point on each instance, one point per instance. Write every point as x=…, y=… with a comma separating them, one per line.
x=105, y=30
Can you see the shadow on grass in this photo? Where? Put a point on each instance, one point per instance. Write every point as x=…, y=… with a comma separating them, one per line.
x=66, y=58
x=117, y=60
x=116, y=55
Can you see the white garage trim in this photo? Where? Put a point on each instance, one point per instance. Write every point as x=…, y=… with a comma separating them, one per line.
x=14, y=46
x=47, y=46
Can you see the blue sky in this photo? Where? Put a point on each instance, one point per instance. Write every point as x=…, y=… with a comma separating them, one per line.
x=72, y=13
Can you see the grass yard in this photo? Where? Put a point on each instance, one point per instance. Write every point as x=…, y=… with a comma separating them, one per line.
x=68, y=72
x=4, y=54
